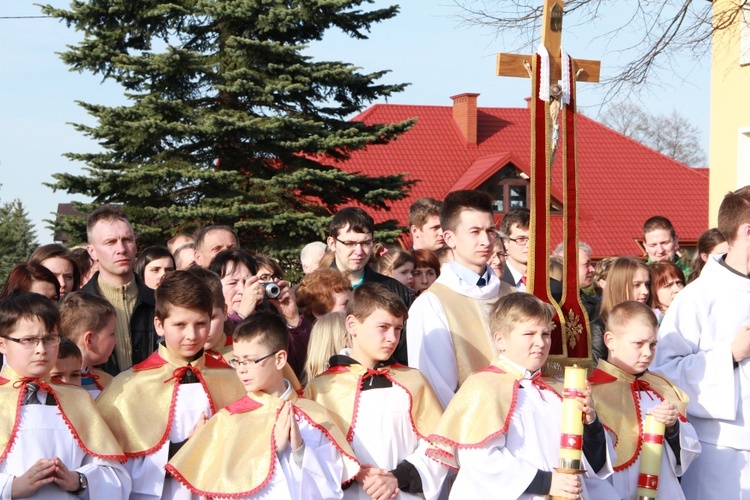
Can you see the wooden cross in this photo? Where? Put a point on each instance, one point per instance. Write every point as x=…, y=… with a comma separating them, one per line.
x=571, y=341
x=517, y=64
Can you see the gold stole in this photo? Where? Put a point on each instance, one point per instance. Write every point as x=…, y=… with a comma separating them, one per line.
x=615, y=395
x=470, y=330
x=77, y=410
x=480, y=411
x=139, y=403
x=338, y=390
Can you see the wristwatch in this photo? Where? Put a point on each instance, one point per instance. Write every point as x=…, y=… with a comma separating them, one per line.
x=83, y=485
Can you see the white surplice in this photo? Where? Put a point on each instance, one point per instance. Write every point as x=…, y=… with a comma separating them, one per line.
x=149, y=477
x=695, y=353
x=42, y=433
x=384, y=436
x=430, y=344
x=505, y=466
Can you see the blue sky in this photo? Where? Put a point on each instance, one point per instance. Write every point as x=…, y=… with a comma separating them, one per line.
x=424, y=45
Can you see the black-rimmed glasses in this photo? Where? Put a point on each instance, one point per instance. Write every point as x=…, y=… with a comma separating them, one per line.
x=32, y=342
x=249, y=363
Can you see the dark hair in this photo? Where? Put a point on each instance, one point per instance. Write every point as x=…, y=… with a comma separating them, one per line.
x=658, y=222
x=355, y=218
x=105, y=213
x=200, y=235
x=421, y=210
x=368, y=297
x=23, y=275
x=710, y=239
x=212, y=281
x=733, y=212
x=515, y=216
x=426, y=258
x=459, y=201
x=226, y=260
x=263, y=260
x=83, y=261
x=265, y=325
x=182, y=289
x=315, y=292
x=68, y=349
x=28, y=306
x=662, y=272
x=81, y=312
x=53, y=250
x=149, y=255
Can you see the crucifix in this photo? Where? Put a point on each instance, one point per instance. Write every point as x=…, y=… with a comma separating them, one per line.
x=553, y=77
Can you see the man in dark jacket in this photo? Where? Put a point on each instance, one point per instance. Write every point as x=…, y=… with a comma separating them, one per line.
x=350, y=237
x=111, y=243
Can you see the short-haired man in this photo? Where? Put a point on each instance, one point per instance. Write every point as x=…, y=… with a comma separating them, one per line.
x=424, y=224
x=449, y=334
x=516, y=224
x=310, y=256
x=178, y=241
x=111, y=244
x=661, y=243
x=211, y=240
x=350, y=238
x=704, y=348
x=184, y=256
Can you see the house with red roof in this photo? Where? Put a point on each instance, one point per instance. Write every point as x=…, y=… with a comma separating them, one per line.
x=621, y=182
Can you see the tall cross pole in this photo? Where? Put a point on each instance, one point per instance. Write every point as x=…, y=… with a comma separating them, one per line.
x=571, y=337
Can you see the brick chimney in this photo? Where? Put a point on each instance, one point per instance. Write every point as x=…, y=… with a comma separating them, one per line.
x=465, y=115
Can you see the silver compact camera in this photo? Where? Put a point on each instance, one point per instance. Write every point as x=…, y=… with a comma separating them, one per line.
x=272, y=289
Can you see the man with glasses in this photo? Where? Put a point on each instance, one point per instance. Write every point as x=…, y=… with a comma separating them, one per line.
x=516, y=225
x=350, y=238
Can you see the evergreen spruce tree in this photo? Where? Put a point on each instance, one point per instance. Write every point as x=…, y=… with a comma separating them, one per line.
x=17, y=237
x=229, y=121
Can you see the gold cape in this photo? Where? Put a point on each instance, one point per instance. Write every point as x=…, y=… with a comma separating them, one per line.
x=481, y=410
x=338, y=390
x=616, y=397
x=101, y=378
x=77, y=410
x=139, y=403
x=222, y=460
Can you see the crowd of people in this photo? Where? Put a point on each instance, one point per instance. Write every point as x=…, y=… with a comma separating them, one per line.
x=196, y=370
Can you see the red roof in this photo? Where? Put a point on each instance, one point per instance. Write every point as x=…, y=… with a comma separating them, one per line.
x=621, y=182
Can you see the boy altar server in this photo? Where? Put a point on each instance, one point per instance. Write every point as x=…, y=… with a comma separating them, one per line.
x=293, y=451
x=385, y=409
x=502, y=429
x=449, y=336
x=626, y=392
x=157, y=405
x=53, y=442
x=89, y=321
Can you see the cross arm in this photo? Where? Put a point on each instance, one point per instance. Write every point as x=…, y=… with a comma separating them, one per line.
x=513, y=65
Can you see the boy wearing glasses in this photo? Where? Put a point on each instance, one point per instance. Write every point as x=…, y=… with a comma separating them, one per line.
x=156, y=406
x=516, y=225
x=351, y=240
x=295, y=450
x=387, y=410
x=449, y=334
x=53, y=442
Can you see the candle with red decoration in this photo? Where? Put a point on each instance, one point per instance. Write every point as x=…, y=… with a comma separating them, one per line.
x=651, y=450
x=571, y=439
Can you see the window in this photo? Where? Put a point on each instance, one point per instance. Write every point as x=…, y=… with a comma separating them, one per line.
x=509, y=188
x=745, y=36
